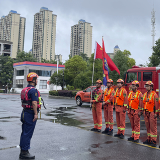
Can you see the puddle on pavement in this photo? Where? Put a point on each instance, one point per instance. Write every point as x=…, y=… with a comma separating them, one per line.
x=95, y=145
x=64, y=118
x=109, y=142
x=2, y=138
x=9, y=117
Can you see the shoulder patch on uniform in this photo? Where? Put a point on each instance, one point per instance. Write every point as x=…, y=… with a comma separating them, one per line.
x=141, y=98
x=124, y=95
x=156, y=99
x=36, y=94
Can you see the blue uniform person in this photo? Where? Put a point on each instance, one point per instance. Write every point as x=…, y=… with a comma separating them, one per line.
x=31, y=102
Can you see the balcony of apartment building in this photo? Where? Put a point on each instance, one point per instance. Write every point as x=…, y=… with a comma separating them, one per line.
x=5, y=48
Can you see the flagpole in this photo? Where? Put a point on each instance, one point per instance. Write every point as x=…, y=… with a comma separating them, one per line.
x=93, y=68
x=103, y=71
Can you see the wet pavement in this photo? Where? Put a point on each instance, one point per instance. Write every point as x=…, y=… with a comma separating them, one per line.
x=63, y=133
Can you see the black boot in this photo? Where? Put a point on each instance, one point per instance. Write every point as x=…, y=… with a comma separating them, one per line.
x=131, y=139
x=136, y=141
x=117, y=135
x=153, y=143
x=121, y=136
x=146, y=142
x=26, y=155
x=93, y=129
x=105, y=131
x=98, y=130
x=110, y=132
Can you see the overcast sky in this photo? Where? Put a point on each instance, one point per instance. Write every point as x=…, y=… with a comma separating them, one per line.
x=126, y=23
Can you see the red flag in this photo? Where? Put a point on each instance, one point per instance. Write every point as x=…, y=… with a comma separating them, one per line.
x=98, y=53
x=105, y=64
x=111, y=64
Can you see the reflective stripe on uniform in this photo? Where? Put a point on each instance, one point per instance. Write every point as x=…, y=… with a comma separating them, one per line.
x=136, y=132
x=122, y=128
x=153, y=135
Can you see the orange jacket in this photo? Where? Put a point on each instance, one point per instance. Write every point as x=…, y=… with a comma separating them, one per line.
x=121, y=97
x=109, y=95
x=150, y=100
x=97, y=95
x=134, y=100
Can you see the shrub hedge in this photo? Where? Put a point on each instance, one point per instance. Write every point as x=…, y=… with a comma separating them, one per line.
x=64, y=93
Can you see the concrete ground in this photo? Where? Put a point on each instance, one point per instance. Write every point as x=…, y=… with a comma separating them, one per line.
x=63, y=133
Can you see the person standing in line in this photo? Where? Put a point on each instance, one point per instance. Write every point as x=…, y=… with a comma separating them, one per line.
x=108, y=107
x=120, y=106
x=97, y=99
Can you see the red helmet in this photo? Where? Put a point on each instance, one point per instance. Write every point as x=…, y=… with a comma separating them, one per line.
x=120, y=81
x=31, y=75
x=110, y=81
x=99, y=81
x=135, y=82
x=150, y=83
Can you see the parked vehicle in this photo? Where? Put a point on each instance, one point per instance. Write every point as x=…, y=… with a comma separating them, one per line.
x=84, y=96
x=143, y=74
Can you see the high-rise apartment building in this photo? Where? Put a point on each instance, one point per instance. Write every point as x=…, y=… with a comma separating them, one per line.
x=12, y=28
x=81, y=39
x=44, y=35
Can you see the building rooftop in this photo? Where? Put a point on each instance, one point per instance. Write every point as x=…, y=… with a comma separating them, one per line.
x=12, y=11
x=81, y=20
x=3, y=16
x=37, y=64
x=44, y=8
x=116, y=46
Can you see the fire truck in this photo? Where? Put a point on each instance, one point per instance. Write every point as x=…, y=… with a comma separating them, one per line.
x=143, y=74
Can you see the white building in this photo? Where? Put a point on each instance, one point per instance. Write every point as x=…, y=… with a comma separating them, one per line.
x=44, y=71
x=12, y=28
x=81, y=38
x=44, y=34
x=6, y=48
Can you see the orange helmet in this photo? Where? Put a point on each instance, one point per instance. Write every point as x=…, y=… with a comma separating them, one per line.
x=135, y=82
x=110, y=81
x=150, y=83
x=30, y=76
x=99, y=81
x=120, y=81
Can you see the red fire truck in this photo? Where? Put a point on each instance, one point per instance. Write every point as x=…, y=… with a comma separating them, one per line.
x=143, y=74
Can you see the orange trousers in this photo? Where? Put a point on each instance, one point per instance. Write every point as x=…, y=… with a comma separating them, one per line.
x=108, y=116
x=135, y=123
x=120, y=119
x=151, y=125
x=97, y=115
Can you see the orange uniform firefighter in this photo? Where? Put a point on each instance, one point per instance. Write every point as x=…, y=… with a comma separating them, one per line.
x=97, y=98
x=150, y=106
x=135, y=100
x=108, y=107
x=121, y=106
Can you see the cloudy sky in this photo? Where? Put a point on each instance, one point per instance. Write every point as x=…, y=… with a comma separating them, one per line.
x=126, y=23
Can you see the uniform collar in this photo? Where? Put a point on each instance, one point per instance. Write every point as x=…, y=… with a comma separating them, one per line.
x=30, y=85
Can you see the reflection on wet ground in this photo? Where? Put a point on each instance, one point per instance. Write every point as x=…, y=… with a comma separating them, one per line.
x=62, y=116
x=1, y=138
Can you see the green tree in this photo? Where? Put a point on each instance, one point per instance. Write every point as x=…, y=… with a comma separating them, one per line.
x=84, y=56
x=57, y=79
x=51, y=61
x=82, y=80
x=6, y=69
x=24, y=56
x=131, y=62
x=154, y=59
x=121, y=61
x=73, y=67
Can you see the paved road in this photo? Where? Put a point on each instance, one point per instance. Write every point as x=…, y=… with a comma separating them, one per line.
x=63, y=133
